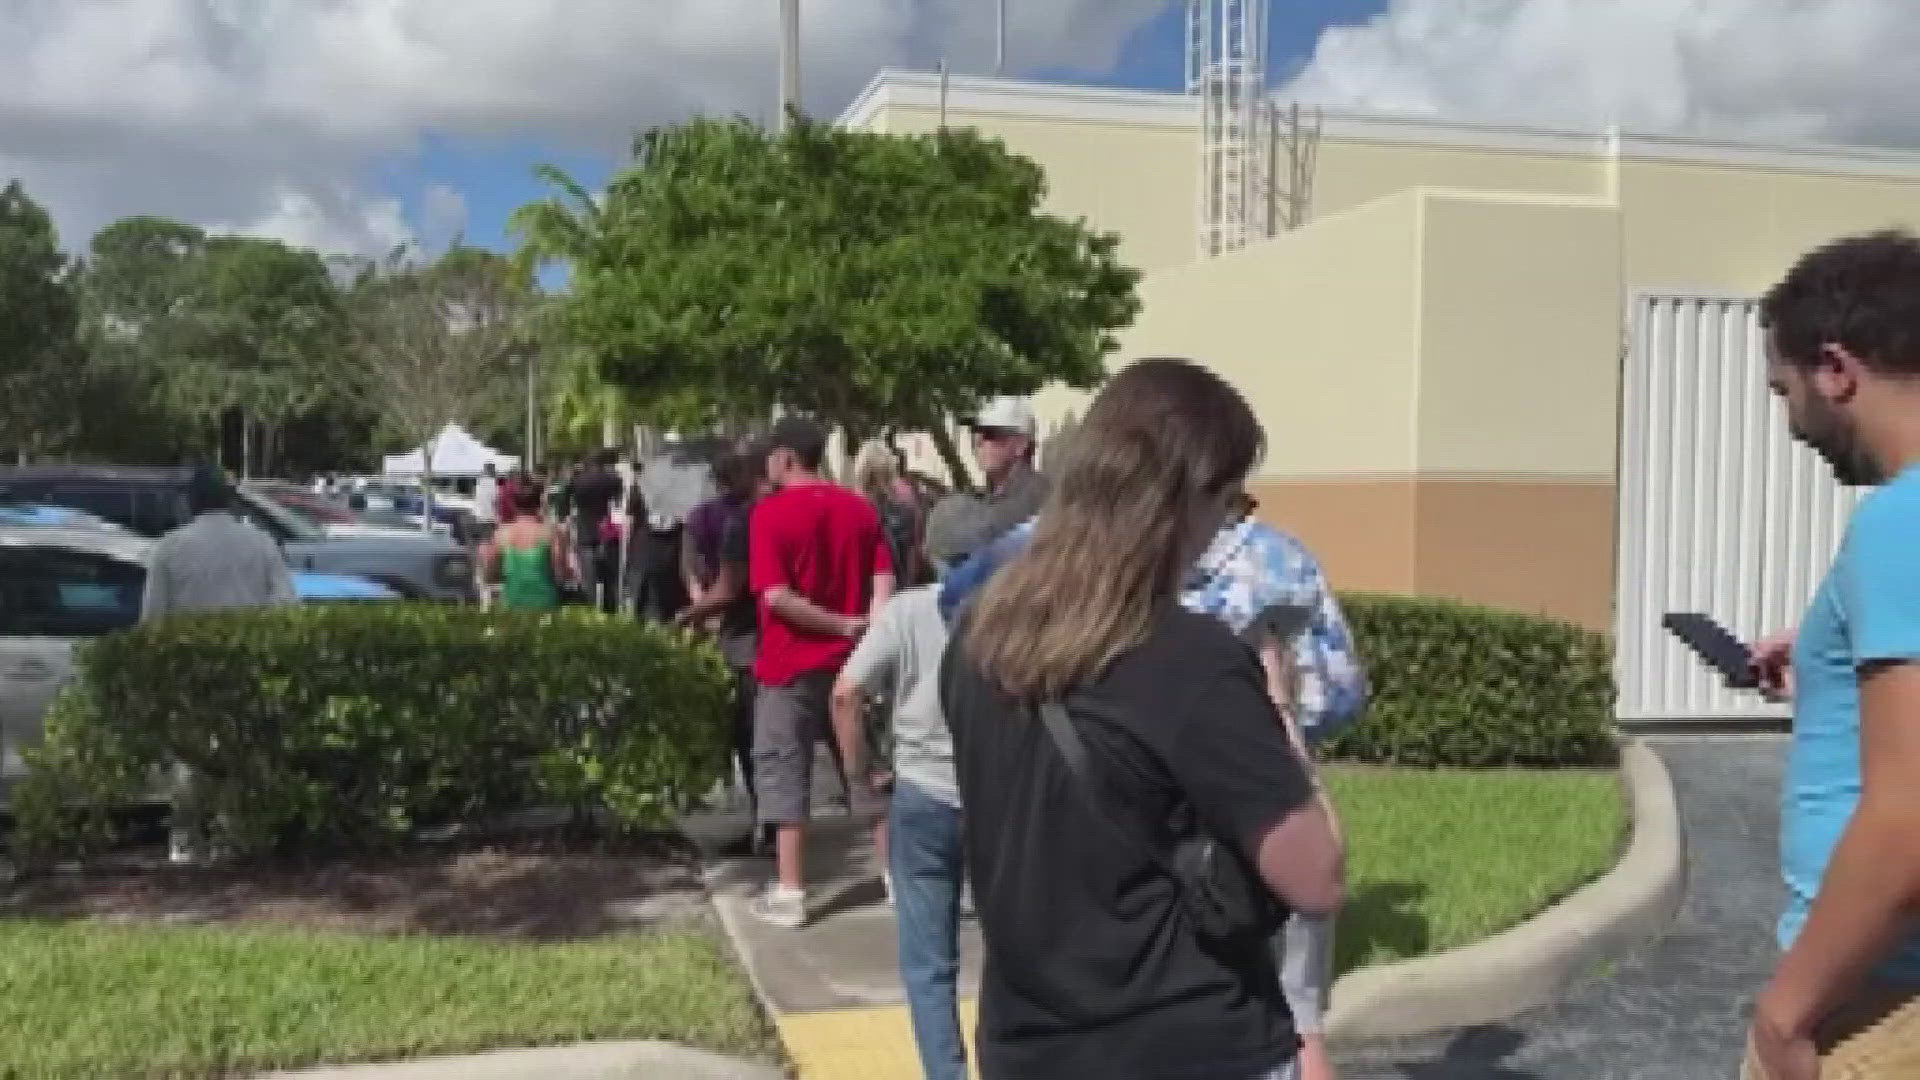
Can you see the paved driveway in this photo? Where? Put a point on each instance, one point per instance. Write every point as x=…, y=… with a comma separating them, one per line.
x=1676, y=1011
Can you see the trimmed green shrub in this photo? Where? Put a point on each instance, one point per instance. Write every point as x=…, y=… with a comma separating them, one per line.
x=1452, y=684
x=354, y=725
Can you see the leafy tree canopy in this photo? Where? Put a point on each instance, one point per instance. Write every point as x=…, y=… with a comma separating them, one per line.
x=881, y=282
x=220, y=322
x=440, y=342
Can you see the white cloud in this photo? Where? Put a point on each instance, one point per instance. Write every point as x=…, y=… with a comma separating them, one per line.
x=1837, y=70
x=349, y=224
x=262, y=115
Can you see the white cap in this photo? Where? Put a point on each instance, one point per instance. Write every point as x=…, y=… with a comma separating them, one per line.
x=1006, y=414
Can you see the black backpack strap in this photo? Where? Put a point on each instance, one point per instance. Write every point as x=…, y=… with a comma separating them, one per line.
x=1073, y=750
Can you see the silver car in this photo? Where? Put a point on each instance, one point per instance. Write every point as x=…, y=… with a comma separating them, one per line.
x=151, y=501
x=59, y=586
x=63, y=584
x=419, y=566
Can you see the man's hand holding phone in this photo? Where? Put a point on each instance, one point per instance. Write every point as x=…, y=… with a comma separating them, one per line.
x=1773, y=667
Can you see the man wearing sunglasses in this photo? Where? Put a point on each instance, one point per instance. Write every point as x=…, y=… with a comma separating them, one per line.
x=1004, y=434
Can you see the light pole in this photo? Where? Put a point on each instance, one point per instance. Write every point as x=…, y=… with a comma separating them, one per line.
x=1000, y=42
x=533, y=397
x=789, y=60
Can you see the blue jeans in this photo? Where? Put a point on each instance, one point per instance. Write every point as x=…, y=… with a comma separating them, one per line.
x=924, y=858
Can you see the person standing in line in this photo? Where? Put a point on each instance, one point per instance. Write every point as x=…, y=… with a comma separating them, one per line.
x=486, y=502
x=506, y=501
x=1319, y=686
x=486, y=520
x=1843, y=355
x=737, y=475
x=818, y=564
x=671, y=485
x=527, y=559
x=900, y=658
x=877, y=476
x=1095, y=964
x=726, y=598
x=1005, y=438
x=591, y=494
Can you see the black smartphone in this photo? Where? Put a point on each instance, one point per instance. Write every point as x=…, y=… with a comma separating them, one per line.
x=1715, y=646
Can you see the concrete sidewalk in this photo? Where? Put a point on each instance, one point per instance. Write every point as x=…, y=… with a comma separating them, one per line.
x=588, y=1061
x=833, y=987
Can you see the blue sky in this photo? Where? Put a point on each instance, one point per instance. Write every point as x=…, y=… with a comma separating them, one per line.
x=494, y=175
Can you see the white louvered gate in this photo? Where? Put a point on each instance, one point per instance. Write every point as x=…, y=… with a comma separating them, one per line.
x=1720, y=511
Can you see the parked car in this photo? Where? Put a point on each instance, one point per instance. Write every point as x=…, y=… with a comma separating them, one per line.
x=67, y=579
x=151, y=501
x=333, y=517
x=387, y=495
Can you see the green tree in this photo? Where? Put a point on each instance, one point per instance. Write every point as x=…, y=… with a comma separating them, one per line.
x=216, y=326
x=442, y=342
x=881, y=282
x=38, y=318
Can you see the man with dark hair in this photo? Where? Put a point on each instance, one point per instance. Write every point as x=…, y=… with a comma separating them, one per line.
x=724, y=593
x=590, y=495
x=1843, y=355
x=216, y=562
x=817, y=564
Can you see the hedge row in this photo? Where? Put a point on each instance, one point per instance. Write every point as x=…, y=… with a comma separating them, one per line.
x=356, y=725
x=352, y=725
x=1458, y=685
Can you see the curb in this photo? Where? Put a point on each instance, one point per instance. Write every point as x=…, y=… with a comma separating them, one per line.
x=634, y=1060
x=1533, y=964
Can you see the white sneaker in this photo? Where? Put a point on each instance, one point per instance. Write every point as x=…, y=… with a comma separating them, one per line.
x=780, y=906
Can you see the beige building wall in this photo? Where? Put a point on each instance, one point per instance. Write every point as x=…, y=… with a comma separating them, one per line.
x=1437, y=354
x=1353, y=169
x=1319, y=330
x=1519, y=361
x=1139, y=178
x=1735, y=227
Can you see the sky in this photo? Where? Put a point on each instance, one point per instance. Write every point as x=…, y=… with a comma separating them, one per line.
x=355, y=125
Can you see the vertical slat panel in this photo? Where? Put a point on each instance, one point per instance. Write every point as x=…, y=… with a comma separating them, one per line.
x=1720, y=510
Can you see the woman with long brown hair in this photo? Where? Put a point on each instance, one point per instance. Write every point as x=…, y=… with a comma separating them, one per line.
x=1101, y=961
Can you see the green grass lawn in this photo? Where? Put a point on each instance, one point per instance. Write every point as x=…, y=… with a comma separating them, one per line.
x=80, y=1000
x=1443, y=858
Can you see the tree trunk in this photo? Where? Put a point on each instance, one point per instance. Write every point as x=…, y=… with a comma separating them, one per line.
x=246, y=447
x=950, y=454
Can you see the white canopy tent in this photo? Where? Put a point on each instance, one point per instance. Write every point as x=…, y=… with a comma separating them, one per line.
x=453, y=452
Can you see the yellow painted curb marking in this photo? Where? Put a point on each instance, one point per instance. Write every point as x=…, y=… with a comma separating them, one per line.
x=858, y=1044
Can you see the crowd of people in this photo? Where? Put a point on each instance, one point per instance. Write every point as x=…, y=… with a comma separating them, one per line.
x=1103, y=701
x=1100, y=689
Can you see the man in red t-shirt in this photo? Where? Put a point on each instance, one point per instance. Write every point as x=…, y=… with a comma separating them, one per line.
x=817, y=564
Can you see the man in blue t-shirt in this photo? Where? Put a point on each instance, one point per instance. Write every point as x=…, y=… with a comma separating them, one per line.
x=1843, y=348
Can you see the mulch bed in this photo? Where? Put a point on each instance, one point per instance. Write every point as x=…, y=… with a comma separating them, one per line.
x=529, y=884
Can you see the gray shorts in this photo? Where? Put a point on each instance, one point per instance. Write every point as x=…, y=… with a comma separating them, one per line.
x=787, y=722
x=1304, y=949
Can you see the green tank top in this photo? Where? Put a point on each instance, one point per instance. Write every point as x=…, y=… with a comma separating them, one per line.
x=526, y=579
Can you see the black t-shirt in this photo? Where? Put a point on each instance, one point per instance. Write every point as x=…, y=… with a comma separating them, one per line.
x=591, y=495
x=739, y=619
x=1093, y=969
